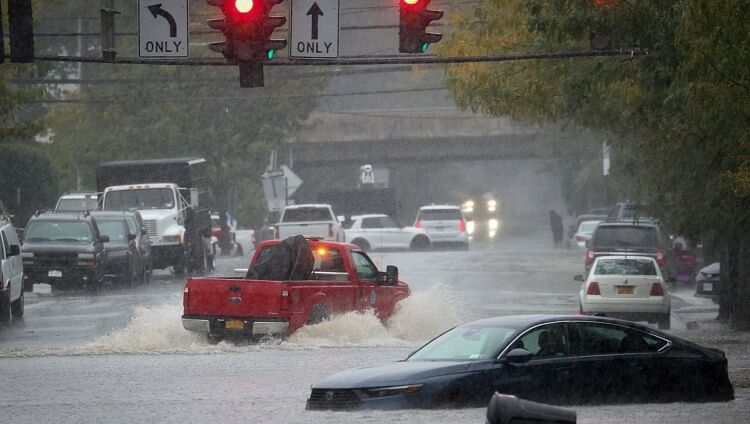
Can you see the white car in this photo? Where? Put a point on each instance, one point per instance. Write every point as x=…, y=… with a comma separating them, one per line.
x=444, y=224
x=379, y=231
x=584, y=232
x=629, y=287
x=11, y=272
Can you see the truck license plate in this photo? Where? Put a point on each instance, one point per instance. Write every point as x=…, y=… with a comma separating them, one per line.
x=625, y=289
x=55, y=274
x=234, y=324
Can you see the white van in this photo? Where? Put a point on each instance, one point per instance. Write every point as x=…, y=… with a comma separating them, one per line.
x=11, y=272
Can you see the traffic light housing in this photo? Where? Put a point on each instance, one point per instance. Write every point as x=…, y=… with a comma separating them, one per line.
x=414, y=18
x=21, y=31
x=247, y=29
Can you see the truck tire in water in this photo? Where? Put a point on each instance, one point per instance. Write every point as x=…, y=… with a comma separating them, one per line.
x=318, y=314
x=16, y=308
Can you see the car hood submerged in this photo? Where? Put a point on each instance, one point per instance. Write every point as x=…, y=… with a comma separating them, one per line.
x=395, y=374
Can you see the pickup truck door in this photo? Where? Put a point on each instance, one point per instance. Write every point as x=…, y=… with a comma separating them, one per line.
x=370, y=294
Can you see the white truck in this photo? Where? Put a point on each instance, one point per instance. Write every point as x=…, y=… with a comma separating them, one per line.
x=169, y=195
x=313, y=220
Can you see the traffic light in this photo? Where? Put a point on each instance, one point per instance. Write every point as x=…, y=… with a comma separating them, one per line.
x=413, y=23
x=21, y=31
x=247, y=29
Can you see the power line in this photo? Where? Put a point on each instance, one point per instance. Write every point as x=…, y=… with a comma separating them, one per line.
x=358, y=61
x=130, y=100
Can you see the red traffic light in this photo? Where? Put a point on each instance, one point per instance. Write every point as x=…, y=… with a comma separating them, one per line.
x=243, y=6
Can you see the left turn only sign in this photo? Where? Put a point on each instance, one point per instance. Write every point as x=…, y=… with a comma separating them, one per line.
x=163, y=29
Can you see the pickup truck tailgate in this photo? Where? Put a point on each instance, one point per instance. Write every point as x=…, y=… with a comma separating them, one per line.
x=232, y=297
x=308, y=229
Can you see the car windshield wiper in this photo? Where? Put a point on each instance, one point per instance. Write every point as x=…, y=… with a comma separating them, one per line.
x=70, y=240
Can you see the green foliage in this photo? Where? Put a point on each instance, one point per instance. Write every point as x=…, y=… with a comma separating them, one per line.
x=680, y=116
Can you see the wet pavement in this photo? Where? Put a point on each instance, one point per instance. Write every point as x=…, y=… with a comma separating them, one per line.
x=123, y=356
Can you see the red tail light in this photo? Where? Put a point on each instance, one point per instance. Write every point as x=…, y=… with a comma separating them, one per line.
x=418, y=224
x=593, y=289
x=580, y=238
x=589, y=256
x=330, y=230
x=657, y=289
x=276, y=232
x=461, y=226
x=660, y=258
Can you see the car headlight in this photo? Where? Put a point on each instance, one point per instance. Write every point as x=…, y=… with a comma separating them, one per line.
x=392, y=391
x=491, y=206
x=493, y=224
x=470, y=227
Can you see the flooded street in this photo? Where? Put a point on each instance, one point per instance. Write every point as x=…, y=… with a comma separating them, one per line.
x=124, y=356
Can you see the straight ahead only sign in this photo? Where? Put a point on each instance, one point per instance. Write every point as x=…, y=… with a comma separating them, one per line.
x=314, y=29
x=163, y=29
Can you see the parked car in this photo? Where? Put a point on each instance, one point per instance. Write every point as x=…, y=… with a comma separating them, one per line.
x=313, y=220
x=11, y=272
x=708, y=281
x=629, y=287
x=63, y=249
x=343, y=278
x=482, y=217
x=380, y=231
x=557, y=359
x=444, y=225
x=628, y=238
x=77, y=202
x=124, y=261
x=583, y=233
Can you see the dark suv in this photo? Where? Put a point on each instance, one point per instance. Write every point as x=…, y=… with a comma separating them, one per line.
x=623, y=238
x=63, y=249
x=123, y=262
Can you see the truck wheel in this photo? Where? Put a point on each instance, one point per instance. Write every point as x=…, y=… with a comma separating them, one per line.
x=318, y=314
x=420, y=243
x=213, y=339
x=665, y=321
x=16, y=308
x=362, y=244
x=5, y=306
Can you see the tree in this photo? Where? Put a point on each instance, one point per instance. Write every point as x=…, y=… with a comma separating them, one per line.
x=682, y=113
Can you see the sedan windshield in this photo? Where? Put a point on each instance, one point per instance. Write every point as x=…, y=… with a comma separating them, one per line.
x=465, y=343
x=146, y=198
x=59, y=232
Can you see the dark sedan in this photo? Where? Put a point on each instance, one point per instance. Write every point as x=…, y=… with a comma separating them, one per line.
x=551, y=359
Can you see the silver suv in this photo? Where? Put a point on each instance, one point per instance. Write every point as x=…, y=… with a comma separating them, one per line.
x=444, y=224
x=11, y=272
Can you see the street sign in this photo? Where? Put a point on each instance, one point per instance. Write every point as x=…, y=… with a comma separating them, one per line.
x=163, y=29
x=314, y=29
x=292, y=180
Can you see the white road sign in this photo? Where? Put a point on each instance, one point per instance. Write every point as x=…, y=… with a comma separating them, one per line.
x=314, y=29
x=163, y=29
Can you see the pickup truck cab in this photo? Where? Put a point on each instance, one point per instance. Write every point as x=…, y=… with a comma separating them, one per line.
x=344, y=279
x=313, y=220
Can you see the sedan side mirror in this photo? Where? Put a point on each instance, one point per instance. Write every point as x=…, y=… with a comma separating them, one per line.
x=578, y=278
x=14, y=250
x=391, y=273
x=518, y=356
x=104, y=239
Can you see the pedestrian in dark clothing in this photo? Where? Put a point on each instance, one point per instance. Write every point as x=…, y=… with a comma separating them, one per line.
x=555, y=221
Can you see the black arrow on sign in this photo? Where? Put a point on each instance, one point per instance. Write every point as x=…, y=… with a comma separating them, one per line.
x=315, y=12
x=156, y=10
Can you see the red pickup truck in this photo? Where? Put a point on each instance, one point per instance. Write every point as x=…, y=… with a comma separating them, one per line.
x=344, y=279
